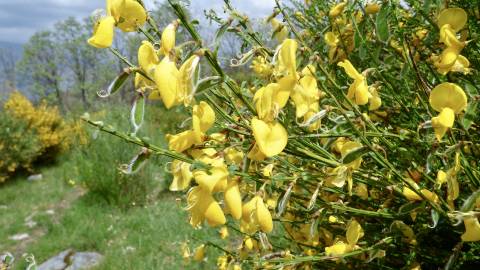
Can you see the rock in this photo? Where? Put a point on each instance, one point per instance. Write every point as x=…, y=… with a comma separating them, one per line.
x=85, y=260
x=35, y=177
x=19, y=237
x=71, y=260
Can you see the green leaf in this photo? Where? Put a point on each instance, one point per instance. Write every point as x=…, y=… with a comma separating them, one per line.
x=137, y=162
x=115, y=84
x=469, y=203
x=470, y=115
x=381, y=24
x=353, y=155
x=137, y=113
x=207, y=83
x=219, y=34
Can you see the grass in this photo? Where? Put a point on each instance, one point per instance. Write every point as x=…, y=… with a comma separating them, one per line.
x=132, y=220
x=146, y=237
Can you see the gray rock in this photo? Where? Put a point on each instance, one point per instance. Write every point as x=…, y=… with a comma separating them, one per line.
x=35, y=177
x=70, y=260
x=19, y=237
x=57, y=262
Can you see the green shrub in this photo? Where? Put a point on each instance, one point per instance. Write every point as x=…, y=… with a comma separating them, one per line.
x=98, y=165
x=19, y=146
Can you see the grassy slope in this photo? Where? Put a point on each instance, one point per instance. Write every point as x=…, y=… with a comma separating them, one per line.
x=140, y=238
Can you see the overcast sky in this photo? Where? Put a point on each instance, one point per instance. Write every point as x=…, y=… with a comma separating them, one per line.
x=19, y=19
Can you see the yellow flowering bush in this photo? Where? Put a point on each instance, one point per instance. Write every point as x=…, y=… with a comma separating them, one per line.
x=31, y=133
x=354, y=144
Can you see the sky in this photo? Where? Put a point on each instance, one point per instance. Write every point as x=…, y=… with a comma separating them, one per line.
x=19, y=19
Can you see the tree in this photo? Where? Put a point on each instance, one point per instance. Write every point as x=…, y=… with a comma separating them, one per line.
x=7, y=68
x=76, y=56
x=40, y=65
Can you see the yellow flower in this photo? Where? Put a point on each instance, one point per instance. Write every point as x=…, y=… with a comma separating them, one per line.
x=255, y=154
x=347, y=148
x=358, y=91
x=202, y=206
x=271, y=138
x=199, y=253
x=450, y=21
x=168, y=39
x=375, y=99
x=287, y=61
x=224, y=232
x=353, y=234
x=337, y=9
x=455, y=17
x=147, y=57
x=203, y=118
x=233, y=199
x=261, y=67
x=215, y=179
x=279, y=30
x=305, y=94
x=233, y=156
x=331, y=39
x=103, y=33
x=255, y=215
x=182, y=141
x=165, y=76
x=181, y=175
x=448, y=99
x=185, y=84
x=372, y=8
x=472, y=229
x=127, y=15
x=269, y=100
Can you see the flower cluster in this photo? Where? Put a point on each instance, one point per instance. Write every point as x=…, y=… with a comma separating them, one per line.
x=328, y=154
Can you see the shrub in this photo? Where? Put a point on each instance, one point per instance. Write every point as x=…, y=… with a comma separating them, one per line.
x=34, y=134
x=356, y=144
x=19, y=146
x=98, y=165
x=54, y=134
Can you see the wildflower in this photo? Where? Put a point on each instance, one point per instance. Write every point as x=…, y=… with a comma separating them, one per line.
x=261, y=67
x=372, y=8
x=203, y=118
x=185, y=80
x=448, y=99
x=233, y=199
x=127, y=15
x=181, y=175
x=147, y=57
x=472, y=229
x=202, y=206
x=224, y=232
x=165, y=77
x=255, y=215
x=182, y=141
x=280, y=32
x=216, y=177
x=353, y=234
x=233, y=156
x=269, y=100
x=450, y=21
x=358, y=91
x=337, y=9
x=168, y=39
x=287, y=61
x=305, y=94
x=199, y=253
x=271, y=138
